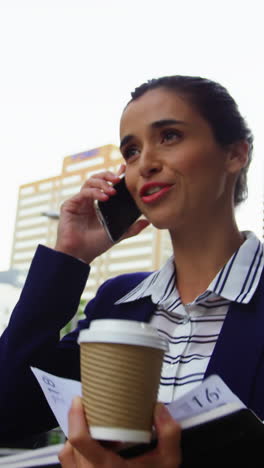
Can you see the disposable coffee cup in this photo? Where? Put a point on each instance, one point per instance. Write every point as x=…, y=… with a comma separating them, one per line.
x=121, y=363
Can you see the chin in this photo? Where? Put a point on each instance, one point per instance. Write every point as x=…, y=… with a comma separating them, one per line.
x=160, y=224
x=172, y=223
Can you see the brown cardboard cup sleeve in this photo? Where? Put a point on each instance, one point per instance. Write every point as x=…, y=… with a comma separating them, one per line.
x=121, y=364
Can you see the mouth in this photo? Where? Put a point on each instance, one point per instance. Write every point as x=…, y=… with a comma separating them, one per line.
x=153, y=191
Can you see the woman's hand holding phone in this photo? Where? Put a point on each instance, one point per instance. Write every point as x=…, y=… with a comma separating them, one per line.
x=80, y=233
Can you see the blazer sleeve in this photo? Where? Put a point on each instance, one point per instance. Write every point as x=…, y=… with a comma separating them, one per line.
x=48, y=301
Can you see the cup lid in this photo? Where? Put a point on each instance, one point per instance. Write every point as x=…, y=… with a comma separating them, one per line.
x=123, y=331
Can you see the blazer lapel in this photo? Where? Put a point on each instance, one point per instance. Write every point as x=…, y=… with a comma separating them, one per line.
x=140, y=310
x=240, y=345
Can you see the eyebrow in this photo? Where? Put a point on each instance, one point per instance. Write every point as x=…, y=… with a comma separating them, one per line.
x=158, y=124
x=165, y=122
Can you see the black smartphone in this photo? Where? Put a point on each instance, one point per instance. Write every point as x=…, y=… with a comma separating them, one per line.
x=118, y=212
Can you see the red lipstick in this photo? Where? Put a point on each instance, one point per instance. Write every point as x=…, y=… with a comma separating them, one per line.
x=153, y=191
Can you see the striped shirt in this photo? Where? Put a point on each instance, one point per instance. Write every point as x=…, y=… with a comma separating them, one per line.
x=192, y=329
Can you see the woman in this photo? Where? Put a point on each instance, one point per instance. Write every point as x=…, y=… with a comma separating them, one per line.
x=186, y=150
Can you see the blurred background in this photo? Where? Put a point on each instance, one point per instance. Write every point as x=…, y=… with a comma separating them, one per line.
x=67, y=70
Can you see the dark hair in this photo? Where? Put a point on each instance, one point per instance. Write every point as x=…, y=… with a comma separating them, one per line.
x=216, y=106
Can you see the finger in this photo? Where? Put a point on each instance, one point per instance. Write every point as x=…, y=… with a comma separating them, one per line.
x=169, y=436
x=100, y=184
x=78, y=426
x=108, y=176
x=121, y=170
x=67, y=457
x=82, y=461
x=83, y=200
x=168, y=452
x=80, y=438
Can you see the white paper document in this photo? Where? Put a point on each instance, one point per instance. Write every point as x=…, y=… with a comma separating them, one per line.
x=59, y=393
x=210, y=394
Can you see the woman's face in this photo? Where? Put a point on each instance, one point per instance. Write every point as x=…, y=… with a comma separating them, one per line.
x=175, y=170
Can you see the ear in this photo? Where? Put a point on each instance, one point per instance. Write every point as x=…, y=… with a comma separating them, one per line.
x=237, y=157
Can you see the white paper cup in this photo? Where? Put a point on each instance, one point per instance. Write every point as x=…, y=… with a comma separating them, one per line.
x=121, y=362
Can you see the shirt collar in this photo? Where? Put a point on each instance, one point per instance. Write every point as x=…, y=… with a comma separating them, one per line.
x=154, y=285
x=236, y=281
x=239, y=278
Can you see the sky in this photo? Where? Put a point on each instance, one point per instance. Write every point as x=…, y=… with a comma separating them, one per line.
x=68, y=67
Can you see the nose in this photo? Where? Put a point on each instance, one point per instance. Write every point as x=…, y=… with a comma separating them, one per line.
x=149, y=162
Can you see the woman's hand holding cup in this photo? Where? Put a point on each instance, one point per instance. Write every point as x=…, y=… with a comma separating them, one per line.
x=81, y=451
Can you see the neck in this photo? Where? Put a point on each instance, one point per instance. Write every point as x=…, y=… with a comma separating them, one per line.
x=200, y=254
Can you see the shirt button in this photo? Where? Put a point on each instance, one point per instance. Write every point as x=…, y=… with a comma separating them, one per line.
x=185, y=320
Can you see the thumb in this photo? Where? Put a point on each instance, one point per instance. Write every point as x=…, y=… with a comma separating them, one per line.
x=169, y=436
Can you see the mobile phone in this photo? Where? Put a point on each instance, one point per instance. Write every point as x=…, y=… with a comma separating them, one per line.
x=118, y=212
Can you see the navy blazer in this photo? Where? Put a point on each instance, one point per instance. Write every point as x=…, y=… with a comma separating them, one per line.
x=49, y=300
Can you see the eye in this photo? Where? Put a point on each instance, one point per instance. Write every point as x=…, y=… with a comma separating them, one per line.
x=130, y=151
x=170, y=135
